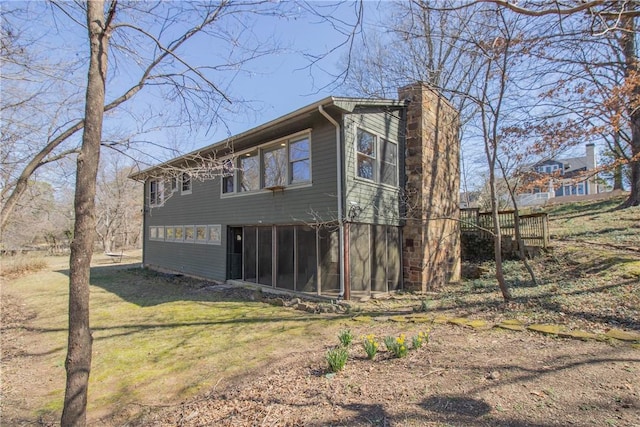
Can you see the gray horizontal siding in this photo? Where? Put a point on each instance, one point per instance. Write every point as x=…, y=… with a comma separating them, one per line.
x=205, y=206
x=190, y=258
x=379, y=204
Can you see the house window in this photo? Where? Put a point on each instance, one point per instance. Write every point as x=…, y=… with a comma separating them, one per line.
x=153, y=233
x=160, y=233
x=377, y=158
x=174, y=184
x=189, y=233
x=186, y=184
x=227, y=177
x=366, y=147
x=169, y=232
x=249, y=174
x=274, y=166
x=299, y=159
x=178, y=233
x=215, y=234
x=156, y=192
x=389, y=163
x=201, y=234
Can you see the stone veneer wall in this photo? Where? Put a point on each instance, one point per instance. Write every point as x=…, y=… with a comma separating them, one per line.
x=431, y=236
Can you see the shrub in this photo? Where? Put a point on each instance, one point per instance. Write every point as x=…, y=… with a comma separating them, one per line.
x=397, y=346
x=389, y=342
x=420, y=339
x=22, y=265
x=370, y=346
x=337, y=358
x=346, y=337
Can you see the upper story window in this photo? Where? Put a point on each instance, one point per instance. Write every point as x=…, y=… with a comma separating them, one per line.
x=366, y=147
x=249, y=173
x=185, y=184
x=156, y=192
x=277, y=164
x=274, y=166
x=376, y=158
x=174, y=183
x=300, y=161
x=227, y=177
x=547, y=168
x=388, y=163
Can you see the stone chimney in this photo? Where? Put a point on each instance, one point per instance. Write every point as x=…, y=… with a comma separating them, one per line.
x=431, y=235
x=591, y=156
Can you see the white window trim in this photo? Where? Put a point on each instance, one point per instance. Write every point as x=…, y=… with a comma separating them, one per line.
x=257, y=153
x=160, y=193
x=219, y=228
x=378, y=161
x=195, y=235
x=397, y=184
x=184, y=192
x=294, y=137
x=184, y=233
x=374, y=158
x=290, y=162
x=175, y=235
x=232, y=175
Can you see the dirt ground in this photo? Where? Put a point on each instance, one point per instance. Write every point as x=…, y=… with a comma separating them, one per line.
x=462, y=376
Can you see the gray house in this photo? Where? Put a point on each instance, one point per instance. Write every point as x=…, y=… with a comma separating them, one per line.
x=574, y=176
x=344, y=197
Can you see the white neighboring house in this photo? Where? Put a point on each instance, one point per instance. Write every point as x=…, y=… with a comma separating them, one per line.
x=569, y=169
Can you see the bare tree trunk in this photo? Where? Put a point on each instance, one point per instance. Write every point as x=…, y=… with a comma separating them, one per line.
x=628, y=44
x=78, y=361
x=520, y=242
x=497, y=238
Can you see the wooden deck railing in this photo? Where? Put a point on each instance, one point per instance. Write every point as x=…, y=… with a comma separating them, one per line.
x=534, y=228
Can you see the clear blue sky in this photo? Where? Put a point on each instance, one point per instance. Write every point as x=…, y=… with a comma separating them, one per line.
x=278, y=84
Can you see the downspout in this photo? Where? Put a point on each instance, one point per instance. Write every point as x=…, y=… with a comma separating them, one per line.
x=143, y=235
x=340, y=201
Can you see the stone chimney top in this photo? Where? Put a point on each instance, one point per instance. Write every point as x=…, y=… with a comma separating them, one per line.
x=591, y=156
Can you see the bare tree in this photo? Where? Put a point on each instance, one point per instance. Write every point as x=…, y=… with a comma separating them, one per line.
x=41, y=220
x=421, y=42
x=149, y=56
x=188, y=84
x=601, y=20
x=78, y=361
x=145, y=45
x=118, y=215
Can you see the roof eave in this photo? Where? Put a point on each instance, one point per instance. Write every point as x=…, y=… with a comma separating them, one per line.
x=344, y=104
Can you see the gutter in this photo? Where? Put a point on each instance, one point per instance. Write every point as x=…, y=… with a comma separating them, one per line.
x=340, y=201
x=343, y=103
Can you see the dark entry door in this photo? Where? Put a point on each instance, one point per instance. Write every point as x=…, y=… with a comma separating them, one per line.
x=234, y=253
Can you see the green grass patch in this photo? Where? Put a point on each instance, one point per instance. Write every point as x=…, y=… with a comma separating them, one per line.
x=159, y=339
